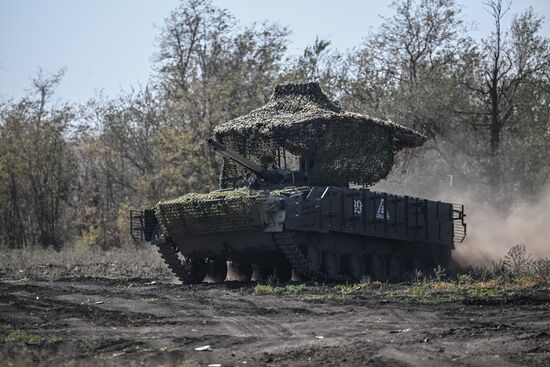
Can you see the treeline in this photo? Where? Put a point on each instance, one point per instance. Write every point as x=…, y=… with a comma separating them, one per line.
x=69, y=174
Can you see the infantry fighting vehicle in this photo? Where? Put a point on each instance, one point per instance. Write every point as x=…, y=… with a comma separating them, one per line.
x=285, y=205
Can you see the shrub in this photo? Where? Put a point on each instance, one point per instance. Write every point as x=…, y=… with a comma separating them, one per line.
x=517, y=261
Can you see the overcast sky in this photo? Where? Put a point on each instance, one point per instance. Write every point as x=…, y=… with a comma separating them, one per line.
x=106, y=45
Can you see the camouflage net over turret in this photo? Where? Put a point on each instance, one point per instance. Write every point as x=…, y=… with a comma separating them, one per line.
x=300, y=119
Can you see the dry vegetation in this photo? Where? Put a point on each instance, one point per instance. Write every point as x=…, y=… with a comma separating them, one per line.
x=78, y=262
x=516, y=275
x=513, y=278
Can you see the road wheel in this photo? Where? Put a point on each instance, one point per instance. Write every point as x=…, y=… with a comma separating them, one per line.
x=415, y=267
x=262, y=272
x=331, y=263
x=299, y=277
x=418, y=265
x=241, y=272
x=314, y=257
x=357, y=267
x=196, y=269
x=217, y=270
x=441, y=256
x=282, y=271
x=377, y=266
x=395, y=268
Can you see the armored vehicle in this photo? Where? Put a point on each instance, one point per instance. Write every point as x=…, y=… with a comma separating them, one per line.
x=285, y=206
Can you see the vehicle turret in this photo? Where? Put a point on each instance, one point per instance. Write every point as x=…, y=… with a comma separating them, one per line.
x=268, y=177
x=300, y=122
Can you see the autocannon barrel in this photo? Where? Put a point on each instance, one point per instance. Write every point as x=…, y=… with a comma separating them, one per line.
x=267, y=175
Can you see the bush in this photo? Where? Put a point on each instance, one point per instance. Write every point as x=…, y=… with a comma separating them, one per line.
x=517, y=261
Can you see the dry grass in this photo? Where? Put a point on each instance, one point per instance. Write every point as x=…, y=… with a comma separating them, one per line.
x=516, y=274
x=526, y=288
x=75, y=262
x=517, y=263
x=516, y=278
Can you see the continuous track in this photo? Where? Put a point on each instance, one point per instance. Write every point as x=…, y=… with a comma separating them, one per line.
x=284, y=241
x=288, y=247
x=169, y=253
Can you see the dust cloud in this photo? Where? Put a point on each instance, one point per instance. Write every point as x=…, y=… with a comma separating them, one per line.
x=492, y=232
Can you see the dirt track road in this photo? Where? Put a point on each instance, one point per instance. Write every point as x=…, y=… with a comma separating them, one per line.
x=109, y=322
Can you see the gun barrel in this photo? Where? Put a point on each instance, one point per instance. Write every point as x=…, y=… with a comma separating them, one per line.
x=216, y=145
x=243, y=161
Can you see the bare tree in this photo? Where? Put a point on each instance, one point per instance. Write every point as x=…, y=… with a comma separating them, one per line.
x=37, y=160
x=210, y=70
x=509, y=60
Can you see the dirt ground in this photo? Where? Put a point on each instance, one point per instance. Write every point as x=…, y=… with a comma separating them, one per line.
x=135, y=322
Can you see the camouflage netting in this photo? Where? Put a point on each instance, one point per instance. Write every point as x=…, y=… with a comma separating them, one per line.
x=301, y=120
x=218, y=211
x=207, y=213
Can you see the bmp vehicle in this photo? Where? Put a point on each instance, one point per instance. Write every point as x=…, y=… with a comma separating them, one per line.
x=285, y=206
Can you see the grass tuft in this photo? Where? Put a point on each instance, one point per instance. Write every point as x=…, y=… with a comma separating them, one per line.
x=19, y=337
x=260, y=289
x=263, y=289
